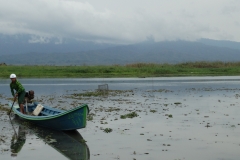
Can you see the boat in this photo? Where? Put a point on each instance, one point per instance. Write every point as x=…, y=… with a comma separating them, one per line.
x=54, y=118
x=69, y=143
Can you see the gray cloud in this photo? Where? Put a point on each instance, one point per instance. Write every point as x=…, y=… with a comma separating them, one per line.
x=125, y=21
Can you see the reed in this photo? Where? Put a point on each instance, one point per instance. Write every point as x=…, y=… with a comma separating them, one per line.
x=130, y=70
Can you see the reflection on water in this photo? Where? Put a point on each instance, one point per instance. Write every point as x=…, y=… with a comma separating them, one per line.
x=18, y=141
x=69, y=143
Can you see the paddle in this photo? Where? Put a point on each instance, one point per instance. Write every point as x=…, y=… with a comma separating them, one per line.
x=12, y=106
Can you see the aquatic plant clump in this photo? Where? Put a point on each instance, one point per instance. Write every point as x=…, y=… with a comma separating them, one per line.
x=89, y=94
x=98, y=93
x=153, y=111
x=2, y=108
x=107, y=130
x=90, y=117
x=129, y=115
x=177, y=103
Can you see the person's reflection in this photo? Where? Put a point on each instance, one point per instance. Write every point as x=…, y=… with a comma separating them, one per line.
x=18, y=141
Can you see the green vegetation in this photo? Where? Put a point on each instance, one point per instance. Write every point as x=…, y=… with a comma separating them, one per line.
x=177, y=103
x=153, y=110
x=107, y=130
x=2, y=108
x=90, y=117
x=129, y=115
x=89, y=94
x=130, y=70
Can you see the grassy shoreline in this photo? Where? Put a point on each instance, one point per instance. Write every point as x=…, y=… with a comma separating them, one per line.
x=129, y=70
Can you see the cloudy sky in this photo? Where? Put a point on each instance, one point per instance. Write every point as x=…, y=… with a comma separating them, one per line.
x=122, y=21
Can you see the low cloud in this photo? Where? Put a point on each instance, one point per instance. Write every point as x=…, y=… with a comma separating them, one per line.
x=121, y=21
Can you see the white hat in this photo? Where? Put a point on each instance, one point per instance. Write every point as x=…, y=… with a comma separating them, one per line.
x=13, y=76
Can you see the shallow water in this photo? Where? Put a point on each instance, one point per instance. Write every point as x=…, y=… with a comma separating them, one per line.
x=28, y=141
x=205, y=123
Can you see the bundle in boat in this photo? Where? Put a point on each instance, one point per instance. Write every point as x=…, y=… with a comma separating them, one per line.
x=37, y=110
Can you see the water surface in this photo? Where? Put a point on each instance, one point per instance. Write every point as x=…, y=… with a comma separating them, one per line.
x=205, y=123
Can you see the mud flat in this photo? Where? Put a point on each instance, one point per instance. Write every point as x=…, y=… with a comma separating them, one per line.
x=168, y=120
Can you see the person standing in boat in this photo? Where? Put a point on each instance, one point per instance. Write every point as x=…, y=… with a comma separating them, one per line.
x=20, y=91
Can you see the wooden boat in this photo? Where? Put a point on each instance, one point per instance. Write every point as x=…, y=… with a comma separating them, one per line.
x=55, y=118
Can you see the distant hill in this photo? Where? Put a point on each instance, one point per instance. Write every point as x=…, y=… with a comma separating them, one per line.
x=20, y=44
x=218, y=43
x=148, y=52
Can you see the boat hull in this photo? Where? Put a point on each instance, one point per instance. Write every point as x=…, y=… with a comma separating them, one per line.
x=57, y=119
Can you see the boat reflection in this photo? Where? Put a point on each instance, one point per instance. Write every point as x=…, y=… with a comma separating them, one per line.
x=69, y=143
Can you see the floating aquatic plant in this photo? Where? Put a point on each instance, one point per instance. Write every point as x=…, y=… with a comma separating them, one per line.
x=82, y=141
x=129, y=115
x=153, y=111
x=107, y=130
x=177, y=103
x=2, y=108
x=89, y=117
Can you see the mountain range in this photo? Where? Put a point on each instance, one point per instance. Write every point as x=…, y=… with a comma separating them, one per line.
x=27, y=50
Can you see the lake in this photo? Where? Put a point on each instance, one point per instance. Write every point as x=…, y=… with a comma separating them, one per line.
x=178, y=118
